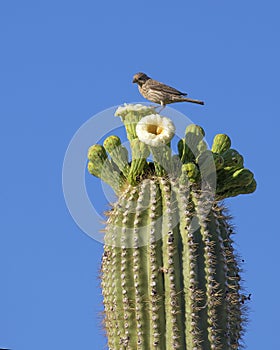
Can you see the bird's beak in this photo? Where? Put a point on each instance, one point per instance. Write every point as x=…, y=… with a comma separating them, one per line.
x=134, y=80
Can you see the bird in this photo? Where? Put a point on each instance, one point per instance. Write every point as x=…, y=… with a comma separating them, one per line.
x=158, y=92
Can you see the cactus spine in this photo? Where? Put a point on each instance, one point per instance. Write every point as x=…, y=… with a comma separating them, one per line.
x=170, y=276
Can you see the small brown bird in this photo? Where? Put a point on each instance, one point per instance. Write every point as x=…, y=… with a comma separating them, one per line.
x=157, y=92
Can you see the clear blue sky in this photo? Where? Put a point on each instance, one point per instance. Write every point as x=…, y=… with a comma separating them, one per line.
x=64, y=61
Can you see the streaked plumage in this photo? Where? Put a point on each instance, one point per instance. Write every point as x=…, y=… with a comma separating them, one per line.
x=158, y=92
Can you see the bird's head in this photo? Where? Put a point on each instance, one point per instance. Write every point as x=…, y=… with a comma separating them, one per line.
x=140, y=78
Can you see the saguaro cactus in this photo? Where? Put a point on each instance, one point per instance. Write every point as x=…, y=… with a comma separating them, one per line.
x=170, y=276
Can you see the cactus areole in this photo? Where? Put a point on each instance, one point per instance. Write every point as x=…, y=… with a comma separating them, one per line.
x=170, y=276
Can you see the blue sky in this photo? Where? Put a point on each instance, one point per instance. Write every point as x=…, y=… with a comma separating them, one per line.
x=63, y=62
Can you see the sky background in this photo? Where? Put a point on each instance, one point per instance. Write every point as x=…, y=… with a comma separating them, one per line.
x=61, y=62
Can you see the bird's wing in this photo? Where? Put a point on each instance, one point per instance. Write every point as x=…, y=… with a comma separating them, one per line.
x=156, y=85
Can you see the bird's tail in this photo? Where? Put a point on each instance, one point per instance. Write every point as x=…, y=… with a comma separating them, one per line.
x=191, y=100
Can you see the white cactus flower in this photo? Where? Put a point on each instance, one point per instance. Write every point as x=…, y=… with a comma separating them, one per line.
x=155, y=130
x=126, y=108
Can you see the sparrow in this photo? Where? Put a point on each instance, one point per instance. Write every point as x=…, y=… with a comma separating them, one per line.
x=158, y=92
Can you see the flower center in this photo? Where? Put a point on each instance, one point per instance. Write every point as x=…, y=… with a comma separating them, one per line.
x=154, y=129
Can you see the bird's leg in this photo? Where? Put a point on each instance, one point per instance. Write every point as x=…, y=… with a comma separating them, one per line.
x=162, y=107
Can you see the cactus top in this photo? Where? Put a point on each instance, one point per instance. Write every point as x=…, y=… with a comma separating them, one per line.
x=150, y=135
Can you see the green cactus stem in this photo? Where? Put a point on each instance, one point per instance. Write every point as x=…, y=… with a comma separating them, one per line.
x=118, y=153
x=170, y=276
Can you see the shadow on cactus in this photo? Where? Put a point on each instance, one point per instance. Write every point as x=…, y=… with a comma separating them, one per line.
x=170, y=276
